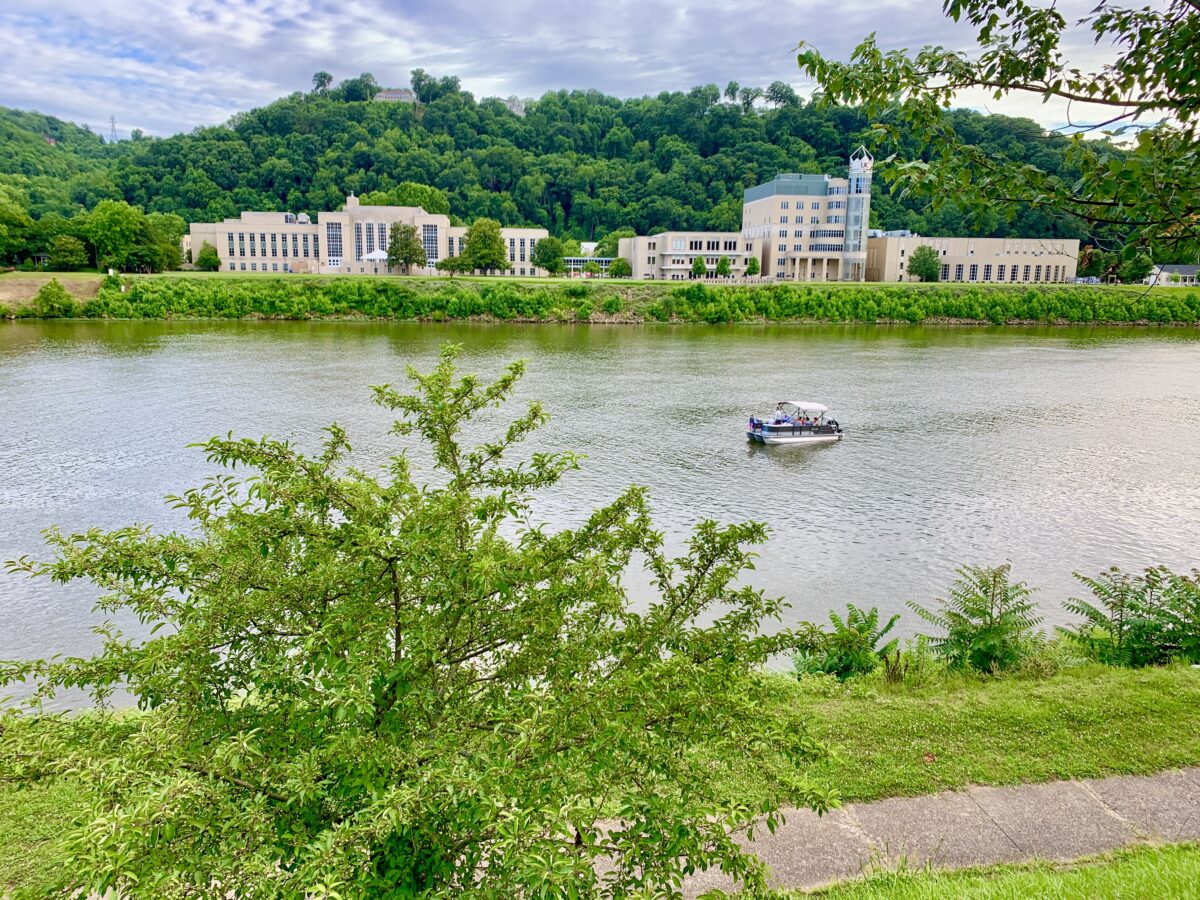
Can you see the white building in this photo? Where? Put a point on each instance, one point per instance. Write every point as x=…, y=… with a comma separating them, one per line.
x=1172, y=275
x=350, y=241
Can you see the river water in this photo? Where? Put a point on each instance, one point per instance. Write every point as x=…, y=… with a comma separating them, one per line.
x=1057, y=449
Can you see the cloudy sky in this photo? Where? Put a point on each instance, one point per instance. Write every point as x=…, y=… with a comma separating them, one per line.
x=170, y=66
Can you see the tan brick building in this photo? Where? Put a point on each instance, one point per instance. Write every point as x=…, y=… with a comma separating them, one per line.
x=669, y=255
x=981, y=260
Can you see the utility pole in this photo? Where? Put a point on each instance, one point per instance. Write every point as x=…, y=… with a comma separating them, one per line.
x=112, y=135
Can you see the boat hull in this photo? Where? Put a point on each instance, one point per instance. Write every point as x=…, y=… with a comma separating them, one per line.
x=768, y=439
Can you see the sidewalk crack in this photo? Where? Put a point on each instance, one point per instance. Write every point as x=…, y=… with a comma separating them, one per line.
x=999, y=827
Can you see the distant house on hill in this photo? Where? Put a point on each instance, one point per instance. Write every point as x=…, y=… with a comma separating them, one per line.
x=1174, y=276
x=397, y=95
x=513, y=104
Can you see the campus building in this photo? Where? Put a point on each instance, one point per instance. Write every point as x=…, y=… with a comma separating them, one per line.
x=670, y=255
x=812, y=227
x=982, y=260
x=350, y=241
x=1174, y=276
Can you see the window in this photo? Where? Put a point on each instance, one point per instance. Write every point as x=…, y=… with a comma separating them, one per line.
x=712, y=245
x=945, y=273
x=694, y=245
x=973, y=275
x=1013, y=272
x=1000, y=272
x=358, y=242
x=1037, y=273
x=243, y=267
x=958, y=272
x=370, y=238
x=837, y=204
x=825, y=248
x=677, y=243
x=254, y=267
x=783, y=248
x=814, y=220
x=284, y=242
x=522, y=253
x=429, y=240
x=1025, y=275
x=232, y=266
x=798, y=248
x=382, y=240
x=512, y=249
x=262, y=244
x=835, y=220
x=296, y=245
x=816, y=205
x=731, y=245
x=274, y=247
x=783, y=205
x=252, y=243
x=230, y=236
x=987, y=273
x=830, y=233
x=798, y=233
x=274, y=267
x=317, y=246
x=783, y=220
x=333, y=243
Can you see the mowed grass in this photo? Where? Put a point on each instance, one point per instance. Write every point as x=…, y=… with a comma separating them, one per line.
x=1086, y=722
x=1139, y=873
x=906, y=740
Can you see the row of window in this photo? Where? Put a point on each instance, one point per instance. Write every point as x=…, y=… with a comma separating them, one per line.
x=279, y=242
x=813, y=248
x=233, y=267
x=1013, y=273
x=800, y=205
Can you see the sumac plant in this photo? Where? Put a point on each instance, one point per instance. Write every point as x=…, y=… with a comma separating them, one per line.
x=401, y=687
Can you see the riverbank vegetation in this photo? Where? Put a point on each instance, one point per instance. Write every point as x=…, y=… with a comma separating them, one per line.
x=547, y=300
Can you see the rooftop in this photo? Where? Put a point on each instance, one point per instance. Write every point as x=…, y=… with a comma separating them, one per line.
x=789, y=185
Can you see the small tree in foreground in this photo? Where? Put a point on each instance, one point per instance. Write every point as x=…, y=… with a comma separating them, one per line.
x=752, y=267
x=988, y=620
x=548, y=255
x=620, y=268
x=723, y=267
x=924, y=263
x=367, y=687
x=207, y=260
x=699, y=269
x=67, y=253
x=405, y=249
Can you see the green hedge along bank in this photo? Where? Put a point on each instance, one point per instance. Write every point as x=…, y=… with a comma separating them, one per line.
x=437, y=299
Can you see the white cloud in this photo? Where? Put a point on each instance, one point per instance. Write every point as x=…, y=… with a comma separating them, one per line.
x=166, y=67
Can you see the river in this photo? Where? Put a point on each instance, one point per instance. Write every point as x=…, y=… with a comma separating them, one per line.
x=1057, y=449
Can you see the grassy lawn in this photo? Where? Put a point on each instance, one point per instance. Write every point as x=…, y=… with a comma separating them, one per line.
x=1086, y=722
x=904, y=740
x=1153, y=873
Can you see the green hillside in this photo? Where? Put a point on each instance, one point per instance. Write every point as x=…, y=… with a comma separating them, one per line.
x=580, y=163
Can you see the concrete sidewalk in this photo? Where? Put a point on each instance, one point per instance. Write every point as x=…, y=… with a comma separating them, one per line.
x=1061, y=820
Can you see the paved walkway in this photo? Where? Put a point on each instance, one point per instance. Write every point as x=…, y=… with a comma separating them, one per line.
x=1061, y=820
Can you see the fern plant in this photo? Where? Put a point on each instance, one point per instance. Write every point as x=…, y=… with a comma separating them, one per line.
x=852, y=647
x=1138, y=620
x=988, y=620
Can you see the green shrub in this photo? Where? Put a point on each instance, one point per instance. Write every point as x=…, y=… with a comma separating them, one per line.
x=583, y=311
x=988, y=620
x=852, y=647
x=52, y=301
x=1138, y=620
x=5, y=312
x=612, y=305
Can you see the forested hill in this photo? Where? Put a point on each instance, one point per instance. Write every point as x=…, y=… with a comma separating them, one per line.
x=580, y=163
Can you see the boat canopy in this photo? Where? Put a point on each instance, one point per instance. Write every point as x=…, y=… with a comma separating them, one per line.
x=806, y=406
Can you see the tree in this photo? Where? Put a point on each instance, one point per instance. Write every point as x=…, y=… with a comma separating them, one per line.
x=723, y=267
x=699, y=269
x=403, y=687
x=1135, y=270
x=14, y=221
x=748, y=96
x=405, y=248
x=1150, y=194
x=321, y=82
x=115, y=229
x=67, y=253
x=591, y=267
x=781, y=93
x=548, y=255
x=924, y=263
x=610, y=244
x=620, y=268
x=752, y=267
x=409, y=193
x=453, y=265
x=207, y=260
x=485, y=248
x=732, y=90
